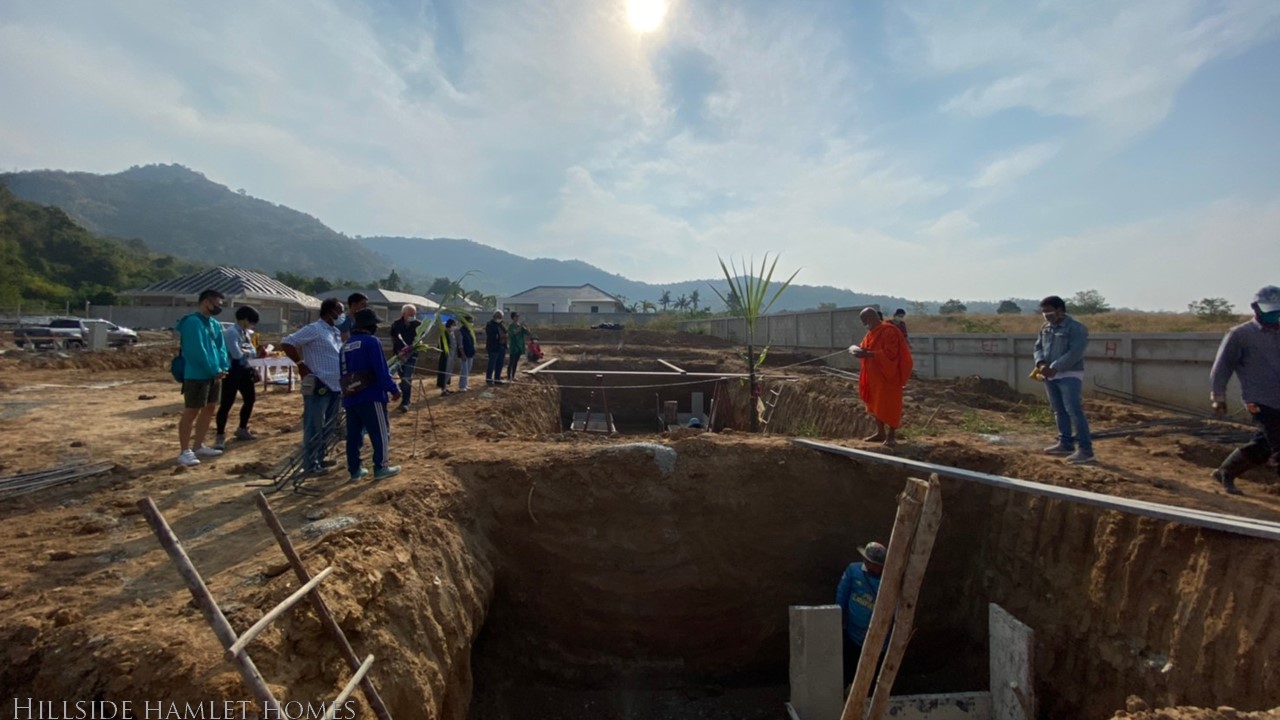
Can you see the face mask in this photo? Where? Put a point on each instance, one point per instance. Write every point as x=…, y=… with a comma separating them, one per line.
x=1050, y=317
x=215, y=310
x=1269, y=318
x=340, y=319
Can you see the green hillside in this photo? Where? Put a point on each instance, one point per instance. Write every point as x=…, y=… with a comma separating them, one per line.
x=46, y=257
x=180, y=212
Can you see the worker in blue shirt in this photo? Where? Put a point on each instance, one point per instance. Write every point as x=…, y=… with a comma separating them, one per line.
x=366, y=384
x=856, y=596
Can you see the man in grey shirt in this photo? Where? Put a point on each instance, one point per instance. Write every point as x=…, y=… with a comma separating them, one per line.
x=1252, y=353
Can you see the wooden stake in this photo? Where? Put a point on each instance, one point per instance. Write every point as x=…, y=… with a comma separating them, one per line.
x=208, y=606
x=904, y=618
x=904, y=529
x=254, y=630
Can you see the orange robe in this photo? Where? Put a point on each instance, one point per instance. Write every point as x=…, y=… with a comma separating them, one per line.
x=885, y=373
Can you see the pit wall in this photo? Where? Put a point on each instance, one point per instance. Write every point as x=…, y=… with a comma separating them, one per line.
x=1170, y=368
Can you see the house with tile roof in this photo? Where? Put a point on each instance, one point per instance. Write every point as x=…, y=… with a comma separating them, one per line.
x=280, y=306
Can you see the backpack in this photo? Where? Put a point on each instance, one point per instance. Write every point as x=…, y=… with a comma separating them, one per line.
x=177, y=366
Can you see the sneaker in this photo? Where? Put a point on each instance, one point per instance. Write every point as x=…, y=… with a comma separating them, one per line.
x=1227, y=483
x=498, y=382
x=1059, y=449
x=245, y=434
x=386, y=472
x=188, y=459
x=364, y=473
x=220, y=442
x=403, y=408
x=443, y=393
x=328, y=463
x=203, y=451
x=317, y=471
x=1080, y=457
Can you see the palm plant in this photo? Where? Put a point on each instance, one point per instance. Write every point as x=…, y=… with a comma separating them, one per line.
x=751, y=294
x=694, y=300
x=664, y=299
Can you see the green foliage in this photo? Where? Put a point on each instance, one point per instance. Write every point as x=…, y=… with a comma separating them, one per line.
x=1212, y=309
x=751, y=289
x=827, y=306
x=47, y=257
x=974, y=422
x=1039, y=414
x=952, y=307
x=665, y=300
x=980, y=325
x=919, y=308
x=1008, y=307
x=1088, y=302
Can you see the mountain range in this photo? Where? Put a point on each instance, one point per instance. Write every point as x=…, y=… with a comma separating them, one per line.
x=177, y=211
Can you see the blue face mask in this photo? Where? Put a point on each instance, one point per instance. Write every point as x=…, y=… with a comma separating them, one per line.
x=1269, y=318
x=340, y=319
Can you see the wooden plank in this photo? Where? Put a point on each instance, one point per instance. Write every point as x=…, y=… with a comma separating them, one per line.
x=1012, y=651
x=208, y=606
x=239, y=645
x=673, y=367
x=912, y=579
x=1188, y=516
x=350, y=688
x=322, y=609
x=547, y=364
x=910, y=503
x=665, y=373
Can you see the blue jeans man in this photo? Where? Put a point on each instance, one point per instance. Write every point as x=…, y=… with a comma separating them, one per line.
x=318, y=412
x=1065, y=397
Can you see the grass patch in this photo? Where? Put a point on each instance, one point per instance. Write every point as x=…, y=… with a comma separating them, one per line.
x=1039, y=414
x=975, y=422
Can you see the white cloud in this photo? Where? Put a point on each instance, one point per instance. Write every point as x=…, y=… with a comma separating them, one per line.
x=1005, y=170
x=1119, y=64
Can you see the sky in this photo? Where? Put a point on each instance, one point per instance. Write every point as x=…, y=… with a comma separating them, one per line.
x=931, y=149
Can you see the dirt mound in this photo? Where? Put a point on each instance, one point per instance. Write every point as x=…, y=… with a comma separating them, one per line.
x=124, y=358
x=979, y=392
x=1193, y=713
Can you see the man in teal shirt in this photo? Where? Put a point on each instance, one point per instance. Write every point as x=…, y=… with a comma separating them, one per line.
x=856, y=596
x=204, y=364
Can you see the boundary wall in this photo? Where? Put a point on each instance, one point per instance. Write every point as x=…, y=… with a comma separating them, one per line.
x=1166, y=368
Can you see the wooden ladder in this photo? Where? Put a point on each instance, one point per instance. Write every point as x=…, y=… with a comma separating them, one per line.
x=235, y=645
x=769, y=406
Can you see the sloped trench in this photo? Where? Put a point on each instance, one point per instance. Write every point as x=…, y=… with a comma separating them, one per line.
x=627, y=588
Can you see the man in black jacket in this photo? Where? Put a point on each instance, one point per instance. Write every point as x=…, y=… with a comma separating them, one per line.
x=495, y=343
x=404, y=338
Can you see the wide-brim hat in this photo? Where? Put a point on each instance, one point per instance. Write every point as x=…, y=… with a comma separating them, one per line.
x=873, y=552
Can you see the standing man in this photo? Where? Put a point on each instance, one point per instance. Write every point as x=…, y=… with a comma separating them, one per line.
x=204, y=365
x=495, y=343
x=356, y=302
x=316, y=349
x=856, y=596
x=466, y=349
x=1059, y=358
x=886, y=367
x=1252, y=353
x=366, y=383
x=900, y=322
x=404, y=340
x=517, y=333
x=241, y=378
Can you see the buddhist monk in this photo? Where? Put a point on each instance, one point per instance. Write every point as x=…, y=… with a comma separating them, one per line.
x=886, y=367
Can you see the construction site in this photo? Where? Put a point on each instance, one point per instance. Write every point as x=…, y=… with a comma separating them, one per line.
x=606, y=538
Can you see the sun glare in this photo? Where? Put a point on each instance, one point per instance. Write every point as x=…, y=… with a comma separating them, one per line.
x=646, y=15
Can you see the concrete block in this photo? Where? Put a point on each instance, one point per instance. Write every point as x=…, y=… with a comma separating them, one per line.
x=816, y=657
x=1012, y=646
x=949, y=706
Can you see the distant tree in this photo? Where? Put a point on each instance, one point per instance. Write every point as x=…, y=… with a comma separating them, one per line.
x=319, y=285
x=440, y=286
x=694, y=300
x=1212, y=309
x=952, y=307
x=647, y=306
x=1008, y=307
x=1088, y=302
x=664, y=299
x=392, y=282
x=827, y=306
x=919, y=308
x=682, y=302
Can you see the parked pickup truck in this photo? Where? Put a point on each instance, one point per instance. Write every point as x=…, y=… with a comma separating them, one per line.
x=70, y=333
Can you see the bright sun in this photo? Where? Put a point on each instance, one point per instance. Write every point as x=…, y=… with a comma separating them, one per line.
x=646, y=15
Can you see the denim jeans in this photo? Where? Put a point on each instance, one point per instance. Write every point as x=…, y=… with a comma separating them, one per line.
x=406, y=379
x=318, y=412
x=1068, y=408
x=367, y=418
x=464, y=371
x=493, y=373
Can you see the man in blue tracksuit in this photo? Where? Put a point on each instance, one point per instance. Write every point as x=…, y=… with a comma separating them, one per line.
x=366, y=383
x=856, y=596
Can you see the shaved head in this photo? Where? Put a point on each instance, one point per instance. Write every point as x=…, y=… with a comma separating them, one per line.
x=870, y=317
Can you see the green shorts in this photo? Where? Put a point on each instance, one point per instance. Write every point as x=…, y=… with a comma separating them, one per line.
x=199, y=393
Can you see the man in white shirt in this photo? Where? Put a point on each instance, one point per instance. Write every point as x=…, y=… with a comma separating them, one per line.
x=317, y=349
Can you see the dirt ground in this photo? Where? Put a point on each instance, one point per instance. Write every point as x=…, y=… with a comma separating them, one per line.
x=92, y=608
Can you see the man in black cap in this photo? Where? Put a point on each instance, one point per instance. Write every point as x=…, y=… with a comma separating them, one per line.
x=366, y=383
x=1251, y=352
x=856, y=596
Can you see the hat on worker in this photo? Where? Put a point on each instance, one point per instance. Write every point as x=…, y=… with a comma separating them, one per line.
x=366, y=318
x=1268, y=299
x=873, y=552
